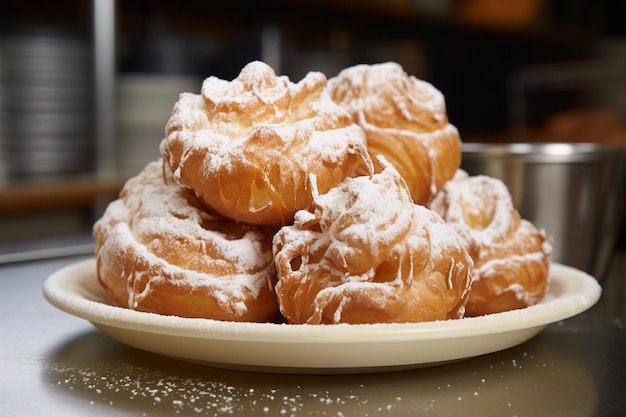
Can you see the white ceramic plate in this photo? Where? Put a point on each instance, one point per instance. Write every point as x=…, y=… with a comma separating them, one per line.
x=339, y=348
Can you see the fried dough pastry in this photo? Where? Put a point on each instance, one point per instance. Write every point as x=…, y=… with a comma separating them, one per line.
x=247, y=146
x=511, y=256
x=367, y=254
x=158, y=250
x=405, y=120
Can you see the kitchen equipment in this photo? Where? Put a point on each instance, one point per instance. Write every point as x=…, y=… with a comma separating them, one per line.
x=46, y=106
x=573, y=191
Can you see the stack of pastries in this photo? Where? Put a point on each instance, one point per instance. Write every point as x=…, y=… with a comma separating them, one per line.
x=316, y=202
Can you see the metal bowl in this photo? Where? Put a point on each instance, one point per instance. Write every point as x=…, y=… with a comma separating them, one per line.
x=575, y=191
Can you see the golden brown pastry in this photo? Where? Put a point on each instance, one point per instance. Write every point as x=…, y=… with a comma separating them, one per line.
x=367, y=254
x=511, y=256
x=158, y=250
x=590, y=125
x=247, y=146
x=405, y=120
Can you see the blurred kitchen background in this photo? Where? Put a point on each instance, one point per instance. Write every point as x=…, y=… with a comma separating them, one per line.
x=86, y=87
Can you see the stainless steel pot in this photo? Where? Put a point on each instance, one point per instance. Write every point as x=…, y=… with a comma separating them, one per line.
x=573, y=191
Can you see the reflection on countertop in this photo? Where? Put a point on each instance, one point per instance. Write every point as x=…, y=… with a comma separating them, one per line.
x=544, y=376
x=614, y=289
x=521, y=381
x=58, y=247
x=573, y=368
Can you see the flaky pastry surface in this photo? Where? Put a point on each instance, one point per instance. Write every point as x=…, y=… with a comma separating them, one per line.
x=405, y=120
x=247, y=146
x=367, y=254
x=511, y=256
x=158, y=250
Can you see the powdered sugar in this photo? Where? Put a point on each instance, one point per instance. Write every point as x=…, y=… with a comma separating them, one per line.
x=510, y=254
x=360, y=221
x=479, y=199
x=262, y=132
x=384, y=95
x=405, y=119
x=161, y=224
x=257, y=99
x=365, y=236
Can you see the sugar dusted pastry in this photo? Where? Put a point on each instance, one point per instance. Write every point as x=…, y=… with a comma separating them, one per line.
x=367, y=254
x=405, y=120
x=247, y=146
x=158, y=250
x=511, y=256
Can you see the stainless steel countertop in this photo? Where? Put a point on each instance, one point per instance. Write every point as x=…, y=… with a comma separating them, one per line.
x=54, y=364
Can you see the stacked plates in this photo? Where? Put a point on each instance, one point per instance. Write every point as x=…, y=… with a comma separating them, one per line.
x=46, y=105
x=143, y=106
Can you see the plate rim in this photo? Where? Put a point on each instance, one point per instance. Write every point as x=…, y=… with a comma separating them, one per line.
x=580, y=294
